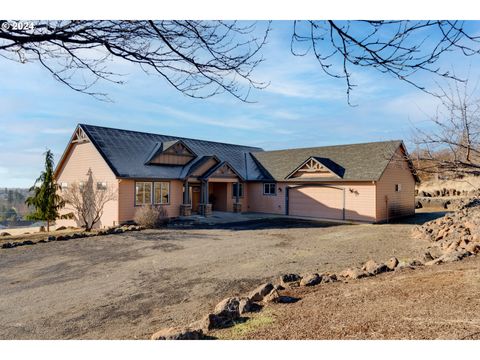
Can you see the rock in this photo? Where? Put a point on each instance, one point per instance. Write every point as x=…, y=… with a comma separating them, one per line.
x=51, y=238
x=228, y=308
x=418, y=204
x=178, y=333
x=328, y=278
x=118, y=231
x=290, y=279
x=212, y=321
x=245, y=306
x=354, y=273
x=473, y=248
x=392, y=263
x=101, y=232
x=7, y=245
x=278, y=287
x=374, y=268
x=273, y=296
x=5, y=234
x=260, y=292
x=311, y=280
x=427, y=257
x=454, y=256
x=28, y=242
x=61, y=228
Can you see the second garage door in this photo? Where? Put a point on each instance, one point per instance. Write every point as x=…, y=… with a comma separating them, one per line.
x=316, y=201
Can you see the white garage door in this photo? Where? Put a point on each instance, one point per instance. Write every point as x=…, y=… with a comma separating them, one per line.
x=316, y=201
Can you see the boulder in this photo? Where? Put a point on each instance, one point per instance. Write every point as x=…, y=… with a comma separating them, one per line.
x=311, y=280
x=273, y=296
x=392, y=263
x=228, y=308
x=212, y=321
x=454, y=256
x=28, y=242
x=7, y=245
x=178, y=333
x=260, y=292
x=473, y=248
x=278, y=287
x=290, y=279
x=118, y=231
x=328, y=278
x=354, y=273
x=5, y=234
x=374, y=268
x=51, y=238
x=245, y=305
x=61, y=228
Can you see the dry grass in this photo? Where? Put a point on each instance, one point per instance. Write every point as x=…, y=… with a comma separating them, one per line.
x=438, y=302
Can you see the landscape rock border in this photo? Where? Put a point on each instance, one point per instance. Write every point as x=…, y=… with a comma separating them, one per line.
x=77, y=235
x=227, y=312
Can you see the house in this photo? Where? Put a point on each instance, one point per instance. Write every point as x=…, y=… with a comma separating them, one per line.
x=370, y=182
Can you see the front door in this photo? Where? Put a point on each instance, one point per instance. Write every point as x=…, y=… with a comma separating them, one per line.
x=195, y=198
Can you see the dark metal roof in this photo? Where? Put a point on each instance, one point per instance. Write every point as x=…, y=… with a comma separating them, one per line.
x=126, y=151
x=356, y=162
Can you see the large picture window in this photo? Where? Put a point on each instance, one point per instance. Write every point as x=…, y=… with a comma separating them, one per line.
x=237, y=187
x=269, y=189
x=162, y=193
x=143, y=193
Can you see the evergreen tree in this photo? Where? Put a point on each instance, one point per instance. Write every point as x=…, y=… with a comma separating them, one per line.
x=45, y=198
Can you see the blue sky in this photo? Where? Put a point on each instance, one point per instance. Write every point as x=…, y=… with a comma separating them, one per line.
x=301, y=107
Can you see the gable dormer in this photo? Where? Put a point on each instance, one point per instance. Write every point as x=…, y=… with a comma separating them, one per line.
x=316, y=168
x=174, y=152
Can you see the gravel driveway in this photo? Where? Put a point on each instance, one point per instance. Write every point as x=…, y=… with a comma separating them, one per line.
x=130, y=285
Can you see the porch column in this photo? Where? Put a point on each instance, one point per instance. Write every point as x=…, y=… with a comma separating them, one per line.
x=237, y=206
x=186, y=193
x=186, y=207
x=204, y=207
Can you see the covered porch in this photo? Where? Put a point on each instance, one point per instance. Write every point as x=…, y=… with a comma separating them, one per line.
x=220, y=189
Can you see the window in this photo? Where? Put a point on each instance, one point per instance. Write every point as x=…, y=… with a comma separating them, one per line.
x=101, y=185
x=143, y=193
x=161, y=193
x=398, y=187
x=269, y=189
x=64, y=186
x=237, y=187
x=81, y=185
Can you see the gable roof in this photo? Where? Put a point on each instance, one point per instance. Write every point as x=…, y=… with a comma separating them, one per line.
x=360, y=162
x=126, y=152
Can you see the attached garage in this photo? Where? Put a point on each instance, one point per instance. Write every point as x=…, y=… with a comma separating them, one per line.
x=319, y=201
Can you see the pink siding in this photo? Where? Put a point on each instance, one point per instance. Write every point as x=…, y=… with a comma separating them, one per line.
x=359, y=200
x=400, y=203
x=126, y=198
x=272, y=204
x=80, y=158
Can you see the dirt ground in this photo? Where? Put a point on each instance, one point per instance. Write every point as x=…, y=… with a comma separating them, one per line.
x=438, y=302
x=127, y=286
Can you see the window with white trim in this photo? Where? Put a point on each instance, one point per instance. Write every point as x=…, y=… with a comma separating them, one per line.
x=269, y=189
x=101, y=185
x=237, y=187
x=161, y=192
x=143, y=193
x=398, y=187
x=63, y=186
